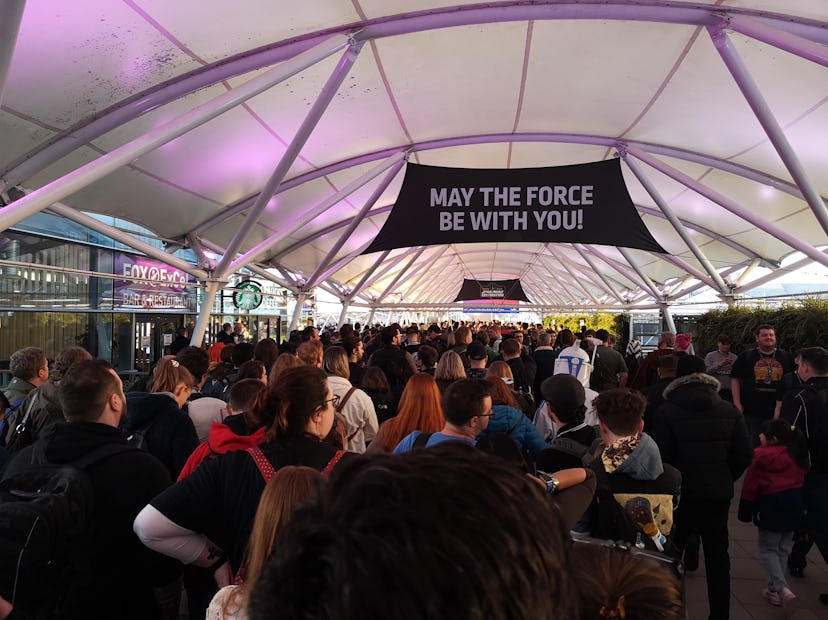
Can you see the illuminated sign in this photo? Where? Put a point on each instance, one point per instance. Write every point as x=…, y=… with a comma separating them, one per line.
x=149, y=284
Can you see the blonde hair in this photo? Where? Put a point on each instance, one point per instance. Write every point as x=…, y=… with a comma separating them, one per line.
x=336, y=363
x=450, y=367
x=169, y=374
x=289, y=488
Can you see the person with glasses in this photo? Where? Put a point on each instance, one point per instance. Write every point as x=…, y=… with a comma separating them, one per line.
x=206, y=518
x=467, y=407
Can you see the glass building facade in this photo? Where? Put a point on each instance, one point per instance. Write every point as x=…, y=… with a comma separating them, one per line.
x=62, y=284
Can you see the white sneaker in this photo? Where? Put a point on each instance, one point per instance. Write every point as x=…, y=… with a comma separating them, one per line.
x=772, y=596
x=787, y=596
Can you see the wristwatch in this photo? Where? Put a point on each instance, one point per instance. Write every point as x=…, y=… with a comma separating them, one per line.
x=552, y=485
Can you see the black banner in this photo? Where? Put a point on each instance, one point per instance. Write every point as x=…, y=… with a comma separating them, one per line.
x=583, y=203
x=494, y=290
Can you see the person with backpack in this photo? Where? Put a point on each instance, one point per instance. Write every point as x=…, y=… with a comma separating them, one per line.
x=806, y=408
x=509, y=420
x=706, y=439
x=772, y=498
x=91, y=565
x=610, y=369
x=41, y=407
x=29, y=368
x=636, y=491
x=467, y=408
x=155, y=420
x=354, y=404
x=564, y=400
x=206, y=518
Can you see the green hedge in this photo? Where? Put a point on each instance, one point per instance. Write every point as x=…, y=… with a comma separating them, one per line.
x=803, y=324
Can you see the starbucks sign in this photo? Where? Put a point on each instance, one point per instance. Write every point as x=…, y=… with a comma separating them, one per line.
x=248, y=295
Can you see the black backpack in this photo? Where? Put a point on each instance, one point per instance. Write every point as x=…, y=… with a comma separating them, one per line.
x=46, y=525
x=612, y=521
x=19, y=434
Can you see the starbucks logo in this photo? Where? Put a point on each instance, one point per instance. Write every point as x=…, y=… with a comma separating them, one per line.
x=248, y=295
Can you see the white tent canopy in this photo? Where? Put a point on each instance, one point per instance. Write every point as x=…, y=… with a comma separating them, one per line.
x=276, y=134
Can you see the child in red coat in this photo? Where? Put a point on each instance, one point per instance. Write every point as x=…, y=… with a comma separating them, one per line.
x=772, y=498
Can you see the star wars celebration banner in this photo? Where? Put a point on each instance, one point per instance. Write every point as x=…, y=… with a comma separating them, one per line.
x=493, y=291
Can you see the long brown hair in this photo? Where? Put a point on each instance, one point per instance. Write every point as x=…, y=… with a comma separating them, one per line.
x=289, y=488
x=419, y=409
x=288, y=404
x=500, y=392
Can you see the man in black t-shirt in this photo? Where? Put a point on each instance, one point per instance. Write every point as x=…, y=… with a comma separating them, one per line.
x=756, y=377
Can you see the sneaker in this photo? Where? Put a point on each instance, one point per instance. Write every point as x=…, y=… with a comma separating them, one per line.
x=787, y=596
x=772, y=597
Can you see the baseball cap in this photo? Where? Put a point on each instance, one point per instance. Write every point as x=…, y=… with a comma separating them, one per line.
x=563, y=392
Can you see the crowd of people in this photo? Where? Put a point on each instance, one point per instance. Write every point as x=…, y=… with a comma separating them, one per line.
x=455, y=470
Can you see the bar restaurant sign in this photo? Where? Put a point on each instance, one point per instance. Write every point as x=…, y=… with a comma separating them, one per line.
x=583, y=203
x=151, y=285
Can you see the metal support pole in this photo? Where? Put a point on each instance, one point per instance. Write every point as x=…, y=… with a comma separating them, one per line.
x=427, y=269
x=198, y=248
x=127, y=239
x=301, y=243
x=283, y=282
x=765, y=116
x=746, y=273
x=730, y=205
x=358, y=288
x=318, y=108
x=11, y=14
x=397, y=164
x=688, y=268
x=668, y=317
x=619, y=268
x=603, y=278
x=393, y=263
x=647, y=281
x=800, y=46
x=338, y=265
x=306, y=218
x=371, y=316
x=571, y=273
x=343, y=314
x=744, y=288
x=770, y=264
x=390, y=288
x=85, y=175
x=297, y=311
x=210, y=293
x=671, y=217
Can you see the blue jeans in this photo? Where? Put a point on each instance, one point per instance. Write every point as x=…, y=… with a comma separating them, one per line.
x=774, y=549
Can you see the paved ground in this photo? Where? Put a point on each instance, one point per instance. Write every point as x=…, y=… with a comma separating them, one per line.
x=748, y=577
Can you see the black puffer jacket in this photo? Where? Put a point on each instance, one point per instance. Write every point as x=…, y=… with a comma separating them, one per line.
x=171, y=436
x=704, y=437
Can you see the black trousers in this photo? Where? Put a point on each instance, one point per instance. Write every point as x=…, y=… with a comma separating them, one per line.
x=709, y=520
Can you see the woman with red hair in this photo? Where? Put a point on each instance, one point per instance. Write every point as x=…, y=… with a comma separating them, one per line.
x=419, y=410
x=510, y=420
